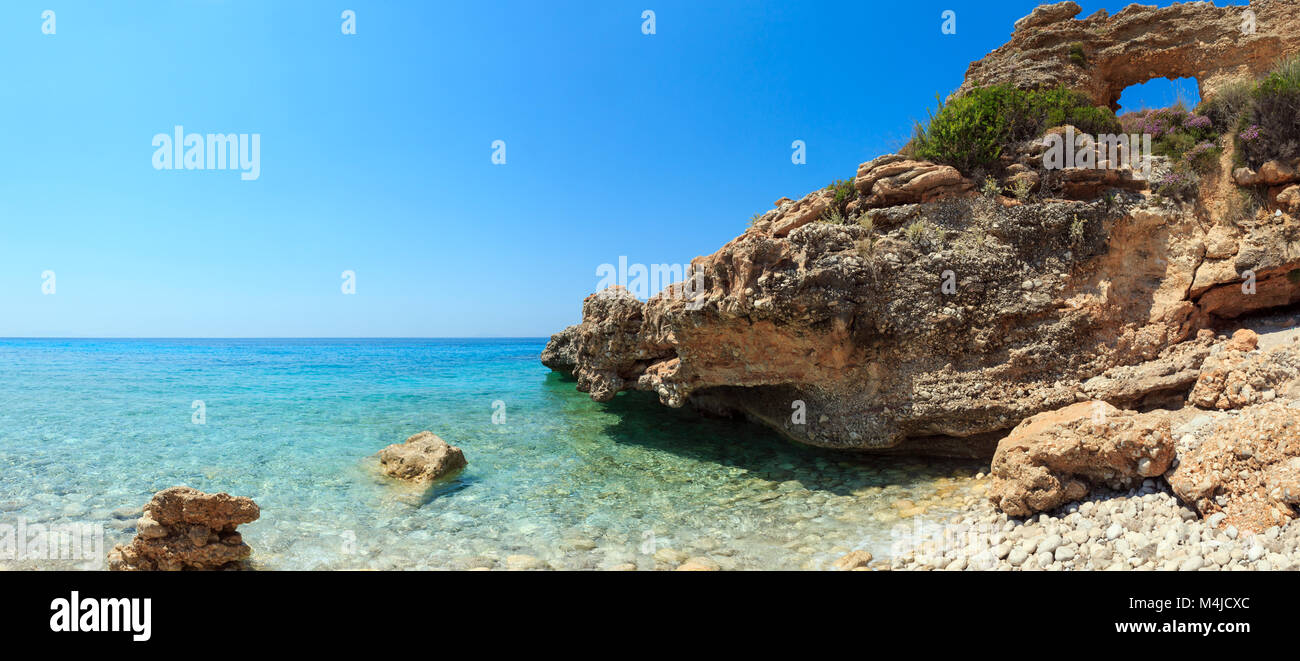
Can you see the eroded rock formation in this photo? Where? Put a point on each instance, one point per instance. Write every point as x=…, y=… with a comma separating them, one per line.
x=184, y=528
x=948, y=319
x=938, y=318
x=1195, y=39
x=892, y=179
x=424, y=457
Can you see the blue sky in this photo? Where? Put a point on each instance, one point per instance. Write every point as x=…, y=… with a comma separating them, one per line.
x=376, y=151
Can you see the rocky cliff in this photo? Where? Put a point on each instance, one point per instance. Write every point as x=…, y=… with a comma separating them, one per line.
x=940, y=316
x=1103, y=54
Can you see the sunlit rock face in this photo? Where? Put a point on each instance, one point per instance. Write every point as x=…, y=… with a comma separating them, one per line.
x=1196, y=40
x=940, y=316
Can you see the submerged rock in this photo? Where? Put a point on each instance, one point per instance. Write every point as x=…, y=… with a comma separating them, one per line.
x=421, y=458
x=184, y=528
x=853, y=560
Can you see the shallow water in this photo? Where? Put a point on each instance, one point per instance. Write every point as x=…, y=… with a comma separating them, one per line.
x=90, y=427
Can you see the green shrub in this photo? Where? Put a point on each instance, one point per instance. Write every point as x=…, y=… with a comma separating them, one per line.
x=1180, y=183
x=1077, y=56
x=1021, y=188
x=833, y=215
x=845, y=192
x=991, y=188
x=1174, y=145
x=917, y=233
x=1060, y=106
x=1078, y=226
x=844, y=189
x=974, y=130
x=1228, y=105
x=1274, y=117
x=1203, y=158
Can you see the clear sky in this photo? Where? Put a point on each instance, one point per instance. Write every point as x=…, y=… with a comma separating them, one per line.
x=376, y=150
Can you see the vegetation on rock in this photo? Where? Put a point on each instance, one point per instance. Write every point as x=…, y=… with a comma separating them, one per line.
x=974, y=130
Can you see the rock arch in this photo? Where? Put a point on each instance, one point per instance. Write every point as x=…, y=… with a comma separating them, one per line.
x=1193, y=40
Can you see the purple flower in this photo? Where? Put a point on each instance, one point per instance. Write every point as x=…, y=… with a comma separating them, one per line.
x=1250, y=133
x=1197, y=122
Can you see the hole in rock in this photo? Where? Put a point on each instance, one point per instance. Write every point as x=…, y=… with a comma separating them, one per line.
x=1159, y=93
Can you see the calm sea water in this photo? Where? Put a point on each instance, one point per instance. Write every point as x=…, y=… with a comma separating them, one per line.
x=90, y=429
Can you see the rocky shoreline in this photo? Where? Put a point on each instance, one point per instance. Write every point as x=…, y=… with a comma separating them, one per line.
x=1147, y=528
x=1118, y=342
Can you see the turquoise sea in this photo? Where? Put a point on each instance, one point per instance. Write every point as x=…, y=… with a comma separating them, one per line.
x=89, y=429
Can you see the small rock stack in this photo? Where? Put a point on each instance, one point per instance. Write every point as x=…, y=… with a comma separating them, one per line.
x=184, y=528
x=422, y=458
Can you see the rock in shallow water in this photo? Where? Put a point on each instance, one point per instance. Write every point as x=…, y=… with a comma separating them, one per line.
x=184, y=528
x=422, y=458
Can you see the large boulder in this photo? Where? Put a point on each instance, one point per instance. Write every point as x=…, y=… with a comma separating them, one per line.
x=1245, y=466
x=421, y=458
x=184, y=528
x=1056, y=457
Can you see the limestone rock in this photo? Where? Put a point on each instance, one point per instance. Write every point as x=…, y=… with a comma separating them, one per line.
x=1238, y=376
x=893, y=179
x=879, y=354
x=1139, y=43
x=1053, y=458
x=1173, y=372
x=1243, y=339
x=184, y=528
x=1245, y=176
x=796, y=215
x=1048, y=14
x=1289, y=200
x=699, y=564
x=1274, y=173
x=559, y=352
x=421, y=458
x=1089, y=183
x=853, y=560
x=1247, y=467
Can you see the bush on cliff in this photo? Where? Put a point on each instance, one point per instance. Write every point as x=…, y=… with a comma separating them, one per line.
x=1226, y=108
x=974, y=130
x=1186, y=138
x=837, y=212
x=1274, y=117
